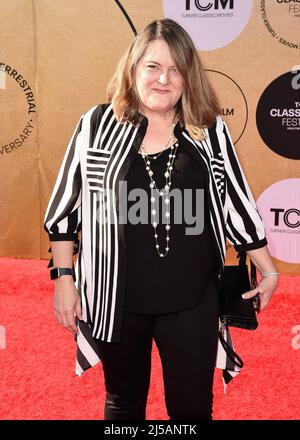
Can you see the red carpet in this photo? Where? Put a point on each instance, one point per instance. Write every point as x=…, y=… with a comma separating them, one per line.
x=37, y=378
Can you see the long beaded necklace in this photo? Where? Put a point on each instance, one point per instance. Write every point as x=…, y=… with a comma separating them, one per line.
x=167, y=187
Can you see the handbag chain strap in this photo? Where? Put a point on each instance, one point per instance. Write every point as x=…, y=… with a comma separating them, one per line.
x=233, y=356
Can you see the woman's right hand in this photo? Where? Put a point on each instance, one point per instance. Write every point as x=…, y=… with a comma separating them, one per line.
x=66, y=303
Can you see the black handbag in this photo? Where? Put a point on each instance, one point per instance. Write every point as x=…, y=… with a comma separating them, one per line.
x=236, y=311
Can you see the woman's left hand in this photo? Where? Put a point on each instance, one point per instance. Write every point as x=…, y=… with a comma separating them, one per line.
x=265, y=288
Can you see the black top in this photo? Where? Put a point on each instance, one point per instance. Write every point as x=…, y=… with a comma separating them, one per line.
x=177, y=281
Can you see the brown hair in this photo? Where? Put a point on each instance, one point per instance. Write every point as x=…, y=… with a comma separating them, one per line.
x=198, y=105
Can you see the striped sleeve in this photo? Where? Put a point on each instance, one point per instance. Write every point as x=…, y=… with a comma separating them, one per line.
x=63, y=215
x=244, y=226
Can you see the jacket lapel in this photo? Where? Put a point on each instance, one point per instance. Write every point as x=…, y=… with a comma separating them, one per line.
x=131, y=155
x=203, y=152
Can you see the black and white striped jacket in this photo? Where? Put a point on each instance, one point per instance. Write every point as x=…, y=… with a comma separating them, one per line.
x=97, y=158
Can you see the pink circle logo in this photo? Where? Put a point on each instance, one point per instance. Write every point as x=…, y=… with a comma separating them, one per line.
x=211, y=24
x=279, y=206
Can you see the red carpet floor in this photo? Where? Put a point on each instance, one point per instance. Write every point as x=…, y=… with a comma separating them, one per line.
x=37, y=379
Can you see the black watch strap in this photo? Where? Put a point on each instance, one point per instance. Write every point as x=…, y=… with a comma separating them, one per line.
x=57, y=272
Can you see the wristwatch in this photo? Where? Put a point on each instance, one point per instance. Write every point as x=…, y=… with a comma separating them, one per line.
x=57, y=272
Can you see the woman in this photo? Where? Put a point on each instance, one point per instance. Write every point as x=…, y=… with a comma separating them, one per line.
x=139, y=278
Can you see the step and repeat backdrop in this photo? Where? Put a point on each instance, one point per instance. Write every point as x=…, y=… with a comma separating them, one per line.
x=57, y=56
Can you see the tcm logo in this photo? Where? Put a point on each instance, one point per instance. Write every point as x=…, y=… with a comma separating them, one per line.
x=296, y=339
x=203, y=5
x=290, y=217
x=2, y=337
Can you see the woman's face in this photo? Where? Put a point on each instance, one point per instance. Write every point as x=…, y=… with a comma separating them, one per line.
x=158, y=82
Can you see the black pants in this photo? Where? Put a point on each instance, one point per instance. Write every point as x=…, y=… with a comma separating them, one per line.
x=187, y=343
